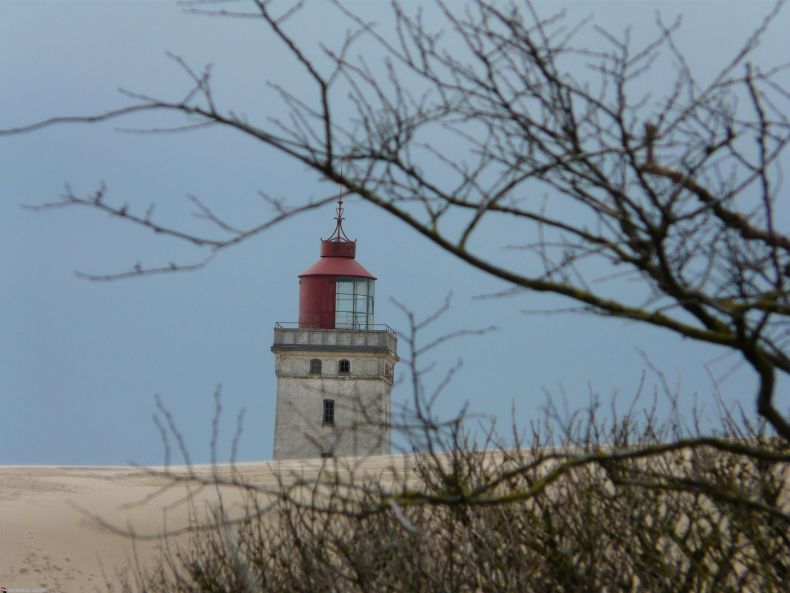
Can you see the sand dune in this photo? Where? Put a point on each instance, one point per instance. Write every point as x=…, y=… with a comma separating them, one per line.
x=51, y=531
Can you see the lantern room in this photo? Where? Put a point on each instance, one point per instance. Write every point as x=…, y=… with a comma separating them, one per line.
x=336, y=292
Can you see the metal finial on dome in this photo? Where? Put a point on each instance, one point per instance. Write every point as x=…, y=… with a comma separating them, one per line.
x=339, y=235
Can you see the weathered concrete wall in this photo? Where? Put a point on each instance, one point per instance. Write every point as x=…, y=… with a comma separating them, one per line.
x=362, y=398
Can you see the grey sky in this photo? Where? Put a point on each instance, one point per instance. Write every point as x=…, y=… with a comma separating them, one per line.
x=80, y=362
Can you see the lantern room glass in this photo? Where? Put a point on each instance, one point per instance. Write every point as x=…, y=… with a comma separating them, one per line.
x=354, y=303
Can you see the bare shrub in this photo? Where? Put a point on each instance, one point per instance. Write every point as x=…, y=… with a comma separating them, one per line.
x=698, y=514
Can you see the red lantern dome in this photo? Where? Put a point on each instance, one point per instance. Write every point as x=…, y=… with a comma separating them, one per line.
x=336, y=292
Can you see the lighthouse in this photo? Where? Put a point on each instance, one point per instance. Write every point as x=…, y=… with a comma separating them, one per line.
x=335, y=365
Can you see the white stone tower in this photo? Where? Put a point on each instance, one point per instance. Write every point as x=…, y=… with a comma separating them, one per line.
x=335, y=366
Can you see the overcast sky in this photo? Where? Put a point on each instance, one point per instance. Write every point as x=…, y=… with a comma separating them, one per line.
x=81, y=362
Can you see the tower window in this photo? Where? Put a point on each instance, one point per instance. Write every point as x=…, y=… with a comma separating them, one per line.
x=329, y=411
x=315, y=366
x=343, y=367
x=354, y=303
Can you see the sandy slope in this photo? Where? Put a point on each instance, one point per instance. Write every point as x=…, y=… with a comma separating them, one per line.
x=49, y=535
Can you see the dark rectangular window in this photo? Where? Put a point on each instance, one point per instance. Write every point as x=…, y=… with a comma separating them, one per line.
x=343, y=367
x=329, y=411
x=315, y=366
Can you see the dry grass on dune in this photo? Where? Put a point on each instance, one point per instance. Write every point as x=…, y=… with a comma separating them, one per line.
x=702, y=515
x=56, y=522
x=689, y=518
